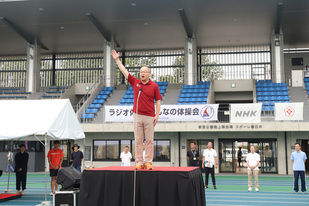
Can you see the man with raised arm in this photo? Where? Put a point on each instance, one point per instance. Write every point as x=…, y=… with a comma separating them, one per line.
x=145, y=115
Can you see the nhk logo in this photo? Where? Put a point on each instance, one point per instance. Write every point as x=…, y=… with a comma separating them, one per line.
x=247, y=113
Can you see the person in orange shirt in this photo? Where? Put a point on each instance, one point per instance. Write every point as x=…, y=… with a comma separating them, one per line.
x=55, y=159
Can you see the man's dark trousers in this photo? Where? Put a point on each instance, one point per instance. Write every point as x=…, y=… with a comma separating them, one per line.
x=302, y=178
x=212, y=172
x=21, y=177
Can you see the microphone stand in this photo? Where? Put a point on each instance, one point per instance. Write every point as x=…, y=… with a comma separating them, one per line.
x=135, y=127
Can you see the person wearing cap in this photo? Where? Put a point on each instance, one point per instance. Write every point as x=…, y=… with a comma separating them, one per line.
x=77, y=157
x=21, y=166
x=55, y=159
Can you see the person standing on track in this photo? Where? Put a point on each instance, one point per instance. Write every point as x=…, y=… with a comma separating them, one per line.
x=21, y=166
x=193, y=156
x=210, y=162
x=55, y=159
x=299, y=158
x=253, y=161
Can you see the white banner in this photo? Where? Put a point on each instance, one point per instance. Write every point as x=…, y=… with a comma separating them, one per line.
x=289, y=111
x=200, y=112
x=245, y=113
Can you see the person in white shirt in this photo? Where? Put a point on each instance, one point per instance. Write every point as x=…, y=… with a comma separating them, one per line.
x=253, y=160
x=126, y=157
x=210, y=162
x=10, y=161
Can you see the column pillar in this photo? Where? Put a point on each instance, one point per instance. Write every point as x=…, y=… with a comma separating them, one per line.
x=46, y=149
x=277, y=55
x=33, y=68
x=109, y=67
x=190, y=61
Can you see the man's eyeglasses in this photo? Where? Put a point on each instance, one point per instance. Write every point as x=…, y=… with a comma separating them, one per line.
x=143, y=72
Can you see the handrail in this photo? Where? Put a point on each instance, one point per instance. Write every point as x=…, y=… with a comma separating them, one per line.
x=88, y=94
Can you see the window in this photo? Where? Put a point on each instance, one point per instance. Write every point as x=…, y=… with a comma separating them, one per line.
x=109, y=150
x=161, y=150
x=243, y=62
x=297, y=61
x=166, y=65
x=98, y=150
x=112, y=150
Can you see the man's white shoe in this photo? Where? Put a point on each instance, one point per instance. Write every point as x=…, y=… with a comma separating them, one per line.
x=250, y=189
x=51, y=194
x=257, y=189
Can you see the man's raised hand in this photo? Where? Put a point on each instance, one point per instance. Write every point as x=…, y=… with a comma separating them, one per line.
x=115, y=55
x=123, y=70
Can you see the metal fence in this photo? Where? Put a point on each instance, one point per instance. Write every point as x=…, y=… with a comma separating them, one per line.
x=13, y=71
x=166, y=65
x=224, y=63
x=67, y=69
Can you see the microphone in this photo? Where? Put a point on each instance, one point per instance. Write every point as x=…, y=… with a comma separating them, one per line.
x=139, y=93
x=135, y=125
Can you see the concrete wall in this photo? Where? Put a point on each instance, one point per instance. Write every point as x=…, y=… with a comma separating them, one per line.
x=234, y=96
x=211, y=94
x=241, y=85
x=76, y=92
x=288, y=64
x=80, y=88
x=70, y=94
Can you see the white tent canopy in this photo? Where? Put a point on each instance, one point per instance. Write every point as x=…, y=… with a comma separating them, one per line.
x=25, y=118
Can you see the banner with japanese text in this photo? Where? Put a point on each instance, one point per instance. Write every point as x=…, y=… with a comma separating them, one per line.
x=289, y=111
x=199, y=112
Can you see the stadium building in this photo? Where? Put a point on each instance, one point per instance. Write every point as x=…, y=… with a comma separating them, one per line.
x=234, y=73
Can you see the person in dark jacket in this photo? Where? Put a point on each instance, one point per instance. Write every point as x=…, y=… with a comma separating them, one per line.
x=77, y=157
x=21, y=166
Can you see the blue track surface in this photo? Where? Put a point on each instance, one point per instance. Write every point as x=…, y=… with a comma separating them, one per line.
x=235, y=198
x=232, y=191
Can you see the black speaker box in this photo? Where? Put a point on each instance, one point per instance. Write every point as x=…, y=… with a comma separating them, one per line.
x=68, y=178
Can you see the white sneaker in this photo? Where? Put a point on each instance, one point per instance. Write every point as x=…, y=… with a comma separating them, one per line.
x=257, y=189
x=250, y=189
x=51, y=194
